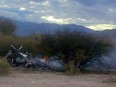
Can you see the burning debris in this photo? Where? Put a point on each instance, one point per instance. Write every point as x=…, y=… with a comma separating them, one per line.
x=16, y=58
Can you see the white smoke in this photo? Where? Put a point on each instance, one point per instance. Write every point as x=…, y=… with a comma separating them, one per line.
x=105, y=63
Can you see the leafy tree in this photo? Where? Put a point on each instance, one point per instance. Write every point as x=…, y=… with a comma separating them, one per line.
x=73, y=47
x=6, y=26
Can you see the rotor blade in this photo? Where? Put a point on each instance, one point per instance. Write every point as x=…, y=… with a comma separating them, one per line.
x=14, y=47
x=20, y=48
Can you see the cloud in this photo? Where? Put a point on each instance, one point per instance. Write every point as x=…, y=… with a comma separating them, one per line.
x=96, y=2
x=22, y=9
x=82, y=12
x=38, y=0
x=4, y=6
x=39, y=3
x=102, y=26
x=52, y=19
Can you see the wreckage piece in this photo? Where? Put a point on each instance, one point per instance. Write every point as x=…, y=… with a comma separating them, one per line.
x=55, y=64
x=17, y=58
x=37, y=63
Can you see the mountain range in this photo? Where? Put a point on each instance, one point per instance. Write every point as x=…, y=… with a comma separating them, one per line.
x=108, y=34
x=26, y=28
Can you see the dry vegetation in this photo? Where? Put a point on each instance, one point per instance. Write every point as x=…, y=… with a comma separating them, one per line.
x=4, y=66
x=29, y=43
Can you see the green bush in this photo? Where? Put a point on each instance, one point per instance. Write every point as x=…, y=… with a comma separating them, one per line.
x=4, y=66
x=73, y=46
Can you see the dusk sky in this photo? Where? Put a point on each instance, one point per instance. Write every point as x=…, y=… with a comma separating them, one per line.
x=95, y=14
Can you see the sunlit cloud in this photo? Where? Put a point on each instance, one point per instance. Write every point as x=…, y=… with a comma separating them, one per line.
x=45, y=3
x=52, y=19
x=31, y=2
x=102, y=26
x=22, y=9
x=39, y=3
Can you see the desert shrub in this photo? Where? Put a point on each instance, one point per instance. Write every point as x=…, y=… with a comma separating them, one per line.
x=7, y=27
x=74, y=48
x=29, y=44
x=5, y=42
x=4, y=66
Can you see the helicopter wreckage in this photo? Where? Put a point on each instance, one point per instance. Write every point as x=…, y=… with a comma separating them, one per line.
x=16, y=58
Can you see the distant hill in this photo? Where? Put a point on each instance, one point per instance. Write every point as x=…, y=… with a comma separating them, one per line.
x=26, y=28
x=108, y=34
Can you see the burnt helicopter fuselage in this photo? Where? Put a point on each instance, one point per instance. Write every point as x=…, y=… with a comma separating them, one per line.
x=17, y=58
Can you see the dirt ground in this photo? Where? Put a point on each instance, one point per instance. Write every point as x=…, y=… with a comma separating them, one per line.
x=53, y=79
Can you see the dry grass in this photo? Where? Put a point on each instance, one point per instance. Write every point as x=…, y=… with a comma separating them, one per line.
x=4, y=66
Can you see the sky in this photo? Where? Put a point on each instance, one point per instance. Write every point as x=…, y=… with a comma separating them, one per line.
x=94, y=14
